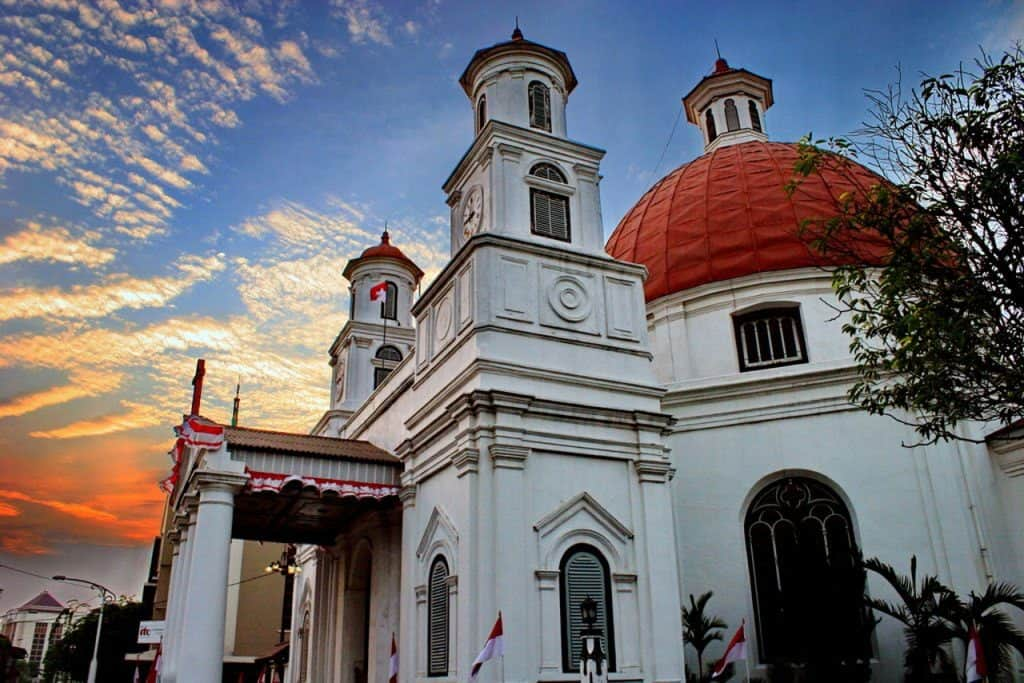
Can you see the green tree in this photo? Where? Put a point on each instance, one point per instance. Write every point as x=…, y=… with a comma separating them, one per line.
x=926, y=611
x=932, y=281
x=700, y=629
x=72, y=654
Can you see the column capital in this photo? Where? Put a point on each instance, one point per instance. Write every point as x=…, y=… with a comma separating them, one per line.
x=407, y=494
x=509, y=456
x=654, y=471
x=213, y=480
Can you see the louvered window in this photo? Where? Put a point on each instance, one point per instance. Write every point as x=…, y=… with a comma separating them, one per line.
x=548, y=172
x=770, y=338
x=389, y=307
x=549, y=214
x=732, y=117
x=540, y=106
x=437, y=619
x=584, y=573
x=712, y=130
x=802, y=555
x=755, y=120
x=481, y=113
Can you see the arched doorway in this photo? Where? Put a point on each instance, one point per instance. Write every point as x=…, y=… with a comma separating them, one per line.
x=355, y=655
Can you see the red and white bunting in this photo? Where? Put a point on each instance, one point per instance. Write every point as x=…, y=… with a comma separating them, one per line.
x=494, y=647
x=202, y=433
x=272, y=481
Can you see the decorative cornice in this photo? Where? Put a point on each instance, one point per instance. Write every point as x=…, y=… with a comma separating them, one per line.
x=1010, y=457
x=466, y=461
x=407, y=494
x=654, y=471
x=509, y=456
x=510, y=152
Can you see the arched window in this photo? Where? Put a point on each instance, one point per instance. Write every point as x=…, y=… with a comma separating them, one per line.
x=755, y=120
x=770, y=337
x=584, y=573
x=437, y=618
x=732, y=117
x=549, y=211
x=304, y=649
x=386, y=358
x=481, y=113
x=540, y=106
x=389, y=307
x=712, y=130
x=807, y=588
x=548, y=172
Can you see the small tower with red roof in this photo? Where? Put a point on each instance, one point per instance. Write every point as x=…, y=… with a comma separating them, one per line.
x=729, y=105
x=379, y=334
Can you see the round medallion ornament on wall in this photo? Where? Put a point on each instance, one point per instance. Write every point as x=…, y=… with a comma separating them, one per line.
x=569, y=298
x=444, y=320
x=472, y=212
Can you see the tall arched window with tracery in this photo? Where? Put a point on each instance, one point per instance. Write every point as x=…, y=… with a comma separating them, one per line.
x=540, y=106
x=584, y=573
x=437, y=618
x=806, y=581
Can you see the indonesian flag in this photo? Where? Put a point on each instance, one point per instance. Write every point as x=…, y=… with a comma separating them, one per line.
x=277, y=676
x=135, y=676
x=197, y=431
x=976, y=668
x=494, y=647
x=736, y=651
x=155, y=668
x=393, y=663
x=378, y=291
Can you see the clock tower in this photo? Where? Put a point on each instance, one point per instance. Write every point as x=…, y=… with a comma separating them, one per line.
x=522, y=176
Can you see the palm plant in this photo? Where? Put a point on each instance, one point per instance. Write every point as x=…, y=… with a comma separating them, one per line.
x=996, y=631
x=699, y=629
x=928, y=613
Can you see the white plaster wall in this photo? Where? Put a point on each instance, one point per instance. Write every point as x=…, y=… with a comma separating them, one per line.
x=505, y=80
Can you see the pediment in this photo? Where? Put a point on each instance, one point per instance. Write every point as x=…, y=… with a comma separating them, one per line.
x=439, y=524
x=583, y=504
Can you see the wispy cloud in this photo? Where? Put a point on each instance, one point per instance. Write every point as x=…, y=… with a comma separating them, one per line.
x=366, y=20
x=134, y=417
x=55, y=245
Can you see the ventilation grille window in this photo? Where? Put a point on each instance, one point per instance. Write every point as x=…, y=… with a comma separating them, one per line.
x=437, y=620
x=732, y=117
x=770, y=338
x=550, y=215
x=540, y=106
x=583, y=575
x=755, y=120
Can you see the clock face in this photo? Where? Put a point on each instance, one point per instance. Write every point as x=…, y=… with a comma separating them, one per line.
x=472, y=212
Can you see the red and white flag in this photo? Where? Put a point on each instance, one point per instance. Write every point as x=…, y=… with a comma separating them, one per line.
x=976, y=668
x=197, y=431
x=393, y=663
x=277, y=676
x=155, y=668
x=135, y=676
x=494, y=647
x=378, y=291
x=736, y=651
x=263, y=676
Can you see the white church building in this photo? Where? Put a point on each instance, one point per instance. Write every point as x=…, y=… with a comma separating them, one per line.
x=557, y=417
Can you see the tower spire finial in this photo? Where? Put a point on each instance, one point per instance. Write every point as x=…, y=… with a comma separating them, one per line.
x=385, y=237
x=517, y=34
x=717, y=51
x=234, y=409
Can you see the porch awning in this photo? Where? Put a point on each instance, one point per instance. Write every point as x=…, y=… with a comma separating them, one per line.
x=303, y=488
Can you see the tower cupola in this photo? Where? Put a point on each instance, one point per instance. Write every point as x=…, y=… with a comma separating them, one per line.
x=519, y=82
x=728, y=106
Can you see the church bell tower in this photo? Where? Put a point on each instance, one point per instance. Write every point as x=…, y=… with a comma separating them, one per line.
x=522, y=176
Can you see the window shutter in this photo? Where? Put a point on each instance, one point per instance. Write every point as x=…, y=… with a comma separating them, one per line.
x=584, y=576
x=540, y=106
x=437, y=620
x=550, y=215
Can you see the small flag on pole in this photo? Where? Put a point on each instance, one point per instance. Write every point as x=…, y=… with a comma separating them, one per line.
x=976, y=668
x=135, y=676
x=736, y=651
x=154, y=668
x=393, y=664
x=494, y=647
x=378, y=291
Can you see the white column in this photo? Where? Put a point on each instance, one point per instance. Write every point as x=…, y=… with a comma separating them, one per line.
x=178, y=593
x=202, y=644
x=173, y=594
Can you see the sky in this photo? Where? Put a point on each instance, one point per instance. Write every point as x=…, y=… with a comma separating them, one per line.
x=187, y=178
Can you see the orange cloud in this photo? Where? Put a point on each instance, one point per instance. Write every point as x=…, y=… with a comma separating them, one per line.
x=85, y=383
x=57, y=245
x=8, y=510
x=20, y=542
x=73, y=509
x=137, y=416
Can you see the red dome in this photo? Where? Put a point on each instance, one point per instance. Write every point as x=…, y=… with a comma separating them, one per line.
x=385, y=250
x=726, y=214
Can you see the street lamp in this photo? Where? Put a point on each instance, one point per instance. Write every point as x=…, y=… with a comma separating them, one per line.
x=591, y=656
x=99, y=624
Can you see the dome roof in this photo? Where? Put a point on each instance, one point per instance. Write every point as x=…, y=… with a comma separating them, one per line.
x=385, y=250
x=726, y=214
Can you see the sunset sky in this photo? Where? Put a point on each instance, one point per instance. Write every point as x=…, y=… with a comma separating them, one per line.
x=183, y=179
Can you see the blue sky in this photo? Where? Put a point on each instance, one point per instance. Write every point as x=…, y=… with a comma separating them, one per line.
x=182, y=179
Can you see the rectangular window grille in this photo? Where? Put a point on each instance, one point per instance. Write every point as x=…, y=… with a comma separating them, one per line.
x=38, y=642
x=770, y=338
x=549, y=215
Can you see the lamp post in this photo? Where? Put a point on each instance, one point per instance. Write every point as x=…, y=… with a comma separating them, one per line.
x=591, y=656
x=99, y=624
x=288, y=568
